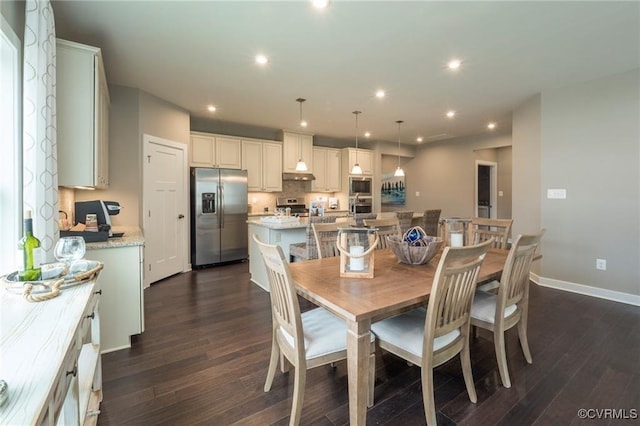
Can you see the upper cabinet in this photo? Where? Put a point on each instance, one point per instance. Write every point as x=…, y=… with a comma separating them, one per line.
x=326, y=169
x=208, y=150
x=263, y=163
x=297, y=146
x=364, y=158
x=82, y=98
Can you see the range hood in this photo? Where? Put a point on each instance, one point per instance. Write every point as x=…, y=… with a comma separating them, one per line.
x=298, y=176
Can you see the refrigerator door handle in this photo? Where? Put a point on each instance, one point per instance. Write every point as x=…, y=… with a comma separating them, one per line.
x=221, y=207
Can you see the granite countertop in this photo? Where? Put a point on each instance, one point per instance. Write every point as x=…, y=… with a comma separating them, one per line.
x=302, y=223
x=132, y=237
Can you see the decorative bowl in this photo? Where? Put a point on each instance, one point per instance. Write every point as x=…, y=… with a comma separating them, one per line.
x=414, y=254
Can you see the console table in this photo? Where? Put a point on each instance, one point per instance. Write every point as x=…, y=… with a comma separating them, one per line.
x=50, y=357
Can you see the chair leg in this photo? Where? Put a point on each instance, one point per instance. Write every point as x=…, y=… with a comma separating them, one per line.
x=372, y=379
x=465, y=360
x=273, y=363
x=300, y=379
x=427, y=397
x=524, y=341
x=284, y=364
x=501, y=357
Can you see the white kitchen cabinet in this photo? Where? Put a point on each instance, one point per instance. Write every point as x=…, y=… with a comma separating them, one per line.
x=209, y=150
x=122, y=301
x=263, y=163
x=365, y=159
x=297, y=146
x=82, y=99
x=327, y=164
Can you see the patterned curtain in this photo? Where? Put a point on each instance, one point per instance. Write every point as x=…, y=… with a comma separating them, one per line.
x=40, y=175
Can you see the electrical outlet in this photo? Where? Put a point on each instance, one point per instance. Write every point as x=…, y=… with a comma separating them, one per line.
x=417, y=193
x=601, y=264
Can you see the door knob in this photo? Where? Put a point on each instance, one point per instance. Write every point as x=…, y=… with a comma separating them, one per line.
x=180, y=216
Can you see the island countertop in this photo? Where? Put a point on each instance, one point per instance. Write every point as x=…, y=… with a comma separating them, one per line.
x=301, y=223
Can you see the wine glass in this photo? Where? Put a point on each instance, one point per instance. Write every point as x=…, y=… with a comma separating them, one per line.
x=70, y=250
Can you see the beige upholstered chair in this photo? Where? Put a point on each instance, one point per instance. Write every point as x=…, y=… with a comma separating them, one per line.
x=431, y=337
x=306, y=340
x=483, y=229
x=386, y=227
x=326, y=236
x=511, y=306
x=404, y=218
x=430, y=222
x=307, y=250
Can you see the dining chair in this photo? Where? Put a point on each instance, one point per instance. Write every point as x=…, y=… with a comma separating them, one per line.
x=359, y=218
x=307, y=340
x=404, y=218
x=307, y=250
x=386, y=228
x=510, y=307
x=430, y=221
x=432, y=336
x=482, y=229
x=326, y=237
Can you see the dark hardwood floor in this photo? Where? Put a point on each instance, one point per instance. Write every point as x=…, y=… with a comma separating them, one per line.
x=204, y=355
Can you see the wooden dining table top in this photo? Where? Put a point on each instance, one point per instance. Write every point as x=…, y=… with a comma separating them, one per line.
x=394, y=287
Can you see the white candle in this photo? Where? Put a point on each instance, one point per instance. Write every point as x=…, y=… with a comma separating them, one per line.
x=356, y=263
x=456, y=239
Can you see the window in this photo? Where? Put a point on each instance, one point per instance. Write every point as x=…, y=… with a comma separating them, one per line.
x=10, y=148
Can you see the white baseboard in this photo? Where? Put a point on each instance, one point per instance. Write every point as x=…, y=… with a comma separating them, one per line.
x=616, y=296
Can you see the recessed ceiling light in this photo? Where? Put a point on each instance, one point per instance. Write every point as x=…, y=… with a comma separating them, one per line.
x=451, y=114
x=367, y=134
x=454, y=64
x=320, y=4
x=491, y=126
x=303, y=123
x=380, y=94
x=261, y=59
x=211, y=108
x=419, y=139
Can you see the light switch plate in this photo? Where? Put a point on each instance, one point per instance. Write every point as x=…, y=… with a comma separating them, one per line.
x=417, y=193
x=557, y=194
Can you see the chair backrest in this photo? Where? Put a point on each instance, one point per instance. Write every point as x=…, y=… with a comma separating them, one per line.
x=285, y=309
x=386, y=227
x=482, y=229
x=312, y=249
x=359, y=218
x=514, y=283
x=452, y=292
x=326, y=237
x=404, y=218
x=430, y=222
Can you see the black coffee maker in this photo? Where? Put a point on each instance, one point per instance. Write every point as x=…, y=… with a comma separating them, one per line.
x=102, y=209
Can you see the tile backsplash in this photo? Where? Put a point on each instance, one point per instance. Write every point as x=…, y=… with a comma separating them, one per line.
x=301, y=189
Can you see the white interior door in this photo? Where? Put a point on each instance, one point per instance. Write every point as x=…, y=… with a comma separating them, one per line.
x=164, y=208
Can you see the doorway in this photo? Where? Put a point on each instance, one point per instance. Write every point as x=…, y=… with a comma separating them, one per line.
x=486, y=189
x=164, y=208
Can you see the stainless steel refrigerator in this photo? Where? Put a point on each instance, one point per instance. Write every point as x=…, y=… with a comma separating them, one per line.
x=218, y=216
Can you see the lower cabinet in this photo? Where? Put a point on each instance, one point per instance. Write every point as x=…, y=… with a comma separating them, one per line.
x=122, y=302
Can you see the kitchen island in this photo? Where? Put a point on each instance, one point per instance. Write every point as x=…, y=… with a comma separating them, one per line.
x=122, y=303
x=281, y=234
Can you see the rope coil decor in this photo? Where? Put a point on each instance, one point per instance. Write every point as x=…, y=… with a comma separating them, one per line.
x=344, y=250
x=54, y=286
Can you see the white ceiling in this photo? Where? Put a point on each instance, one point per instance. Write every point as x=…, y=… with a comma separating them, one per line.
x=198, y=53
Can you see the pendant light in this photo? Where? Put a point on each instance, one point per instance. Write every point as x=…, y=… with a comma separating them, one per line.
x=301, y=166
x=399, y=172
x=356, y=170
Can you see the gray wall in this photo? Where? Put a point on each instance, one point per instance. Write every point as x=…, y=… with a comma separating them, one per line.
x=444, y=174
x=134, y=113
x=590, y=146
x=13, y=12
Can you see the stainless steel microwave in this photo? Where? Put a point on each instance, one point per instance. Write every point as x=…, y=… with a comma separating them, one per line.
x=360, y=186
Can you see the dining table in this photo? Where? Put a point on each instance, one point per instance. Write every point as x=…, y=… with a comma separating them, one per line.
x=395, y=288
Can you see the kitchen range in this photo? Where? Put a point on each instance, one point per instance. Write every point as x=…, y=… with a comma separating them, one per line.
x=296, y=204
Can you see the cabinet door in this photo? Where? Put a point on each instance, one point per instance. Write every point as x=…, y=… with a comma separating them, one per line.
x=202, y=151
x=319, y=170
x=295, y=147
x=365, y=159
x=102, y=128
x=333, y=172
x=252, y=163
x=272, y=167
x=228, y=153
